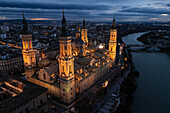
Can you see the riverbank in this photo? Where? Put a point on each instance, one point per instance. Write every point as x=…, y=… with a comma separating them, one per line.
x=152, y=94
x=156, y=38
x=128, y=86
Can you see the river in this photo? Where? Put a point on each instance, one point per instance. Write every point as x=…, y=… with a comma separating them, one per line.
x=153, y=93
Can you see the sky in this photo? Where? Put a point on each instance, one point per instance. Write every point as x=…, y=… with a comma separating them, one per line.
x=92, y=10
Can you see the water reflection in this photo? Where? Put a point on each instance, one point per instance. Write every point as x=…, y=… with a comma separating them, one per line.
x=153, y=94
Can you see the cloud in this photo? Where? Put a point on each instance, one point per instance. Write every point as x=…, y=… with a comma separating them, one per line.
x=123, y=14
x=124, y=7
x=43, y=13
x=158, y=3
x=93, y=10
x=41, y=19
x=153, y=18
x=2, y=17
x=147, y=10
x=53, y=6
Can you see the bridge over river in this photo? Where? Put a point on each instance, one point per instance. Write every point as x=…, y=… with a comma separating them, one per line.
x=142, y=45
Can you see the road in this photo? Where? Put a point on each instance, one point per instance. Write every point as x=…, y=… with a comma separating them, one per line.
x=110, y=91
x=12, y=45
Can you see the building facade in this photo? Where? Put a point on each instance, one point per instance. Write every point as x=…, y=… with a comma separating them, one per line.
x=28, y=51
x=11, y=65
x=113, y=41
x=78, y=66
x=66, y=66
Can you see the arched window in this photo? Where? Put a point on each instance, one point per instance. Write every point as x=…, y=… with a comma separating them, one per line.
x=65, y=50
x=69, y=49
x=62, y=52
x=44, y=75
x=69, y=68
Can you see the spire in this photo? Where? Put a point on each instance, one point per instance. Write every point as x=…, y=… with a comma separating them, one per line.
x=24, y=26
x=84, y=24
x=113, y=26
x=63, y=20
x=78, y=29
x=78, y=32
x=64, y=27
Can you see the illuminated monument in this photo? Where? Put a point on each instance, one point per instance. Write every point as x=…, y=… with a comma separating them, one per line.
x=28, y=51
x=84, y=33
x=66, y=65
x=79, y=65
x=113, y=41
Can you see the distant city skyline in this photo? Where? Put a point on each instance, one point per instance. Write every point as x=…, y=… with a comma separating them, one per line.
x=93, y=10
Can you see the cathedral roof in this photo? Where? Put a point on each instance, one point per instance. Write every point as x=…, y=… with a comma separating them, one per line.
x=78, y=42
x=97, y=55
x=51, y=69
x=44, y=62
x=83, y=60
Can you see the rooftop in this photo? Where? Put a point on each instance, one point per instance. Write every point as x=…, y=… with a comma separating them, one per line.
x=21, y=90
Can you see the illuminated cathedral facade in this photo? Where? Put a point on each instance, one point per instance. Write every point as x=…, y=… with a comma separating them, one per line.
x=78, y=66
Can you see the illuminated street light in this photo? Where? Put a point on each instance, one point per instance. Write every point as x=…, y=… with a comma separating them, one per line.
x=100, y=46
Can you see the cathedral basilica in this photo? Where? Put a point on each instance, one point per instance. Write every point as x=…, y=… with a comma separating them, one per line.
x=78, y=66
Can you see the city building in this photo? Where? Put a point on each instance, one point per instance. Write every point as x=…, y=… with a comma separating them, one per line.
x=11, y=65
x=20, y=96
x=78, y=66
x=84, y=34
x=11, y=60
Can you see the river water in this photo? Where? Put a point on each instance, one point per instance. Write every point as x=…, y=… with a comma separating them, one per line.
x=153, y=93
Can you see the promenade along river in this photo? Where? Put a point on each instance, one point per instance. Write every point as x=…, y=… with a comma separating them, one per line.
x=153, y=93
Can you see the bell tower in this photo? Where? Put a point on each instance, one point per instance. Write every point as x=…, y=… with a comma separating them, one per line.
x=113, y=41
x=66, y=66
x=27, y=51
x=84, y=33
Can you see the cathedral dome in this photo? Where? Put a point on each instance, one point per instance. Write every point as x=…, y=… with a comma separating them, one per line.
x=43, y=63
x=78, y=42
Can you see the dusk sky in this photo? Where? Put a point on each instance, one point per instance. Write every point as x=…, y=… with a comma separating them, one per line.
x=93, y=10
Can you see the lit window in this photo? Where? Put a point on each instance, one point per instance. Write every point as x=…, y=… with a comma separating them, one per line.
x=63, y=69
x=65, y=50
x=69, y=50
x=62, y=52
x=69, y=68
